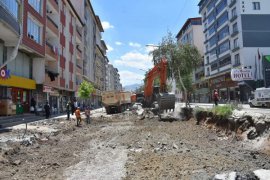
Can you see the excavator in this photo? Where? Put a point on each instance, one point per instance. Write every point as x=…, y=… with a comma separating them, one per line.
x=157, y=97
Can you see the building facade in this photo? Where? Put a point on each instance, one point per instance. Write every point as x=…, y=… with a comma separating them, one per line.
x=55, y=44
x=236, y=35
x=192, y=33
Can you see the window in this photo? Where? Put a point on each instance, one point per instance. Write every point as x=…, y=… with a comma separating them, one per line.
x=221, y=6
x=225, y=62
x=235, y=28
x=237, y=59
x=213, y=41
x=224, y=47
x=33, y=30
x=222, y=19
x=235, y=43
x=212, y=29
x=256, y=6
x=211, y=17
x=36, y=4
x=207, y=60
x=211, y=5
x=223, y=33
x=234, y=12
x=214, y=66
x=11, y=6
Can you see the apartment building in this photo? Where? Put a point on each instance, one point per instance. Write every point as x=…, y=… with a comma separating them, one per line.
x=236, y=34
x=22, y=36
x=192, y=33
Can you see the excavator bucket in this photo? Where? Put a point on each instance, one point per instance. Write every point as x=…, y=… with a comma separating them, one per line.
x=166, y=101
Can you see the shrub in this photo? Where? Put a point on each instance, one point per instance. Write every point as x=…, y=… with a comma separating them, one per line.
x=224, y=111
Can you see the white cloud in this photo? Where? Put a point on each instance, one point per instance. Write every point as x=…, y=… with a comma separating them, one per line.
x=135, y=60
x=109, y=48
x=148, y=49
x=128, y=78
x=118, y=43
x=136, y=45
x=106, y=25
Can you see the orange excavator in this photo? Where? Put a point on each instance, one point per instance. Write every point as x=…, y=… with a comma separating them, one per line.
x=158, y=97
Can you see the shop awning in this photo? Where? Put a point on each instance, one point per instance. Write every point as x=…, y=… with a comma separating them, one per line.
x=19, y=82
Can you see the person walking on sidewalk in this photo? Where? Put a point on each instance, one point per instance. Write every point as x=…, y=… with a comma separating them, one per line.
x=216, y=97
x=47, y=109
x=87, y=114
x=68, y=110
x=78, y=116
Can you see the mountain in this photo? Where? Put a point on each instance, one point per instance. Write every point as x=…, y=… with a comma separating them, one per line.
x=131, y=87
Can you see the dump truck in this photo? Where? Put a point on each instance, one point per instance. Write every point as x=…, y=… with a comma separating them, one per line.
x=116, y=101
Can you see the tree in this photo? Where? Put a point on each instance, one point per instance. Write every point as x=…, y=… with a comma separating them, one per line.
x=182, y=60
x=85, y=90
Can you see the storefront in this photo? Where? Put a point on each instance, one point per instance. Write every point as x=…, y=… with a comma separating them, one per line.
x=18, y=89
x=228, y=89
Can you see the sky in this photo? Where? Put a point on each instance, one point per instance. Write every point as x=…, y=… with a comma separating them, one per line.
x=130, y=25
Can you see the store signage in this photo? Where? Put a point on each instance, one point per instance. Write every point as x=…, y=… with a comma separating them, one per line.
x=48, y=89
x=242, y=74
x=5, y=73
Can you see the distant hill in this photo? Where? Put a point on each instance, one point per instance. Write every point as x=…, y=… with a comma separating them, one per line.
x=132, y=87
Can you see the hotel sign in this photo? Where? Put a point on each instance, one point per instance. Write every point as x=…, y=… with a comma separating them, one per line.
x=242, y=74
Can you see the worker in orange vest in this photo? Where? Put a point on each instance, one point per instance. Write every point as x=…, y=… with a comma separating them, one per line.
x=78, y=116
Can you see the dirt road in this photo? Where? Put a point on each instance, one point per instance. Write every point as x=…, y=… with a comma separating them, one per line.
x=123, y=147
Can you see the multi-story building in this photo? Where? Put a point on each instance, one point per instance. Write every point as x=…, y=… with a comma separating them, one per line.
x=56, y=44
x=117, y=84
x=235, y=32
x=192, y=33
x=22, y=39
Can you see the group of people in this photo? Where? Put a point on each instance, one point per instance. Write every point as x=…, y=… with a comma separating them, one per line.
x=73, y=108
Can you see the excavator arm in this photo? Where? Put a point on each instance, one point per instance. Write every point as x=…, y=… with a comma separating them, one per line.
x=160, y=70
x=162, y=100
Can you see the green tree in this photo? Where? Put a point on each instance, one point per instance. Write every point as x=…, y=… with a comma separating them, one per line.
x=85, y=90
x=182, y=60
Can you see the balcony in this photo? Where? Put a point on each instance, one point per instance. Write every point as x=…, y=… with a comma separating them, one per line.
x=212, y=58
x=234, y=33
x=233, y=18
x=78, y=35
x=52, y=25
x=232, y=3
x=54, y=4
x=79, y=53
x=51, y=52
x=9, y=25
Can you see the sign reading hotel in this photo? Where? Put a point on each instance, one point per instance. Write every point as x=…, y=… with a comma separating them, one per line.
x=242, y=74
x=4, y=73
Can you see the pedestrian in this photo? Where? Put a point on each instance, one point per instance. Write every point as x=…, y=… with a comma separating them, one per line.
x=33, y=105
x=72, y=108
x=216, y=97
x=68, y=110
x=78, y=116
x=47, y=110
x=87, y=114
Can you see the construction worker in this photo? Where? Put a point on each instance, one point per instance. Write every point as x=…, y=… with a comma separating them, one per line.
x=78, y=116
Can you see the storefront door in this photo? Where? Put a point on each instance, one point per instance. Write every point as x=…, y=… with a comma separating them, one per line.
x=21, y=96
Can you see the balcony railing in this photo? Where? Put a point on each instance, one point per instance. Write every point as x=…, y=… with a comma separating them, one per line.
x=50, y=19
x=52, y=51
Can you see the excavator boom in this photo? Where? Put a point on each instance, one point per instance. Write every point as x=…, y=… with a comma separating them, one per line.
x=160, y=99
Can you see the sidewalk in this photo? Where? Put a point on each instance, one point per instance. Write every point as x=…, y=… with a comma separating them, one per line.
x=9, y=121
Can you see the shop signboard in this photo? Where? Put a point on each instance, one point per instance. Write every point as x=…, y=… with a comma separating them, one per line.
x=242, y=74
x=4, y=73
x=48, y=89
